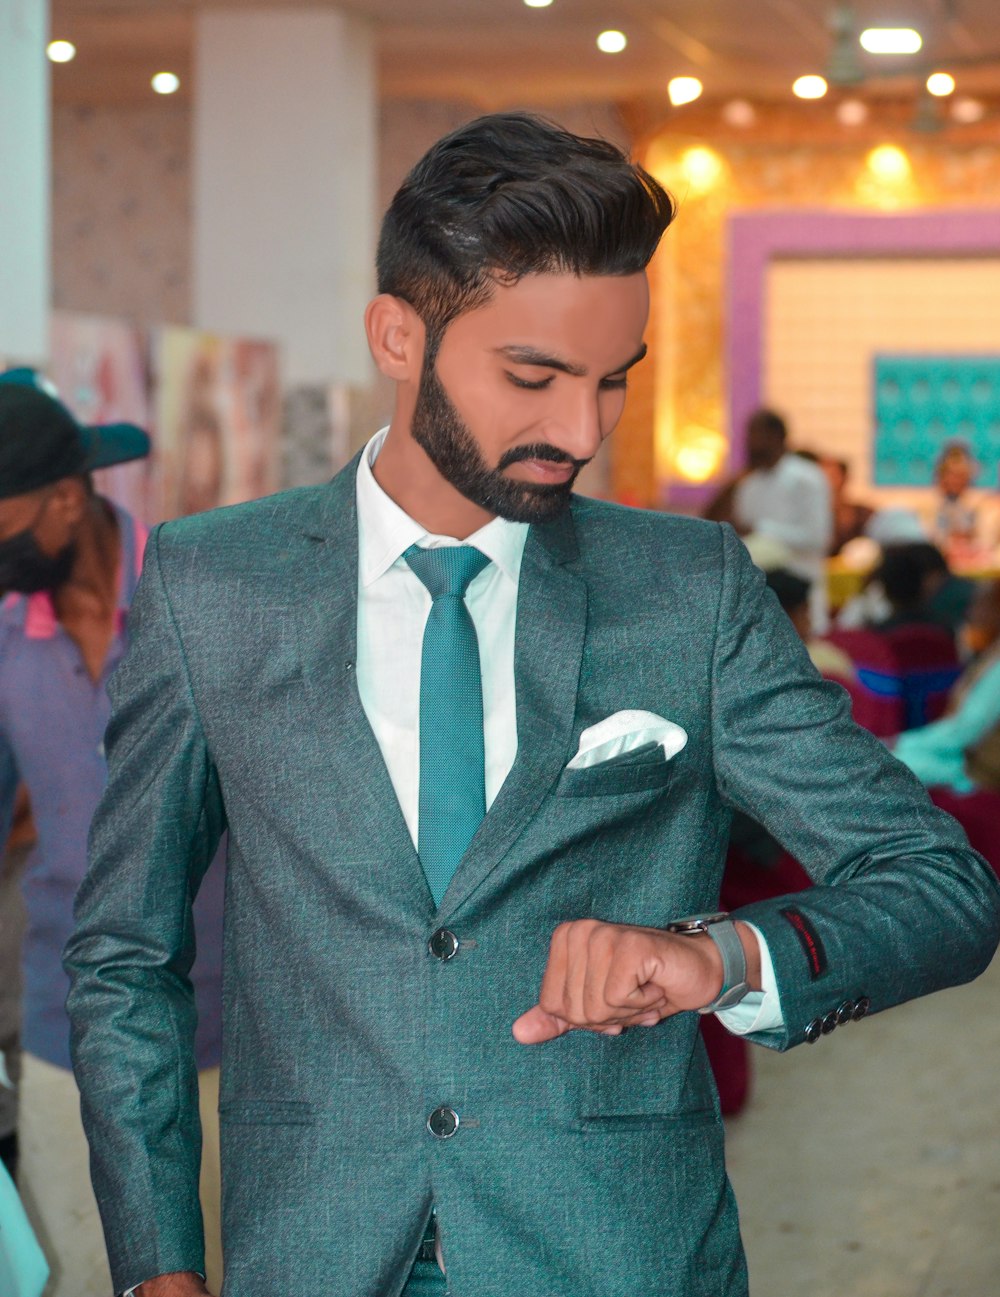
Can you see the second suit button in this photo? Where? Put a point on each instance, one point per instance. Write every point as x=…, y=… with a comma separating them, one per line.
x=846, y=1012
x=830, y=1022
x=443, y=945
x=443, y=1122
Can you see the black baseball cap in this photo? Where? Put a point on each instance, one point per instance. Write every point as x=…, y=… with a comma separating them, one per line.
x=41, y=442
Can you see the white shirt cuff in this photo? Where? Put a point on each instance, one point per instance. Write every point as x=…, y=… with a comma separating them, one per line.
x=758, y=1010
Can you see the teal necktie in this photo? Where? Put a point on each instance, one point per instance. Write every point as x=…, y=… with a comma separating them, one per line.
x=452, y=750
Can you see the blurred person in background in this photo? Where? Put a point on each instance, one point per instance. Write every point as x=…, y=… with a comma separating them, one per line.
x=19, y=842
x=956, y=518
x=937, y=753
x=849, y=516
x=70, y=560
x=786, y=497
x=920, y=588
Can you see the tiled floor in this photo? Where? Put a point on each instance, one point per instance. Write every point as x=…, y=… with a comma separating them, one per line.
x=868, y=1165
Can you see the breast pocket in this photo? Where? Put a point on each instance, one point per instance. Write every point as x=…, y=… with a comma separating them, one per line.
x=641, y=770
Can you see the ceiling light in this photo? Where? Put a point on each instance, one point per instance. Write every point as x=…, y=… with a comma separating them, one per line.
x=968, y=111
x=61, y=51
x=538, y=4
x=889, y=163
x=683, y=90
x=941, y=83
x=810, y=87
x=612, y=42
x=739, y=112
x=852, y=112
x=166, y=83
x=891, y=40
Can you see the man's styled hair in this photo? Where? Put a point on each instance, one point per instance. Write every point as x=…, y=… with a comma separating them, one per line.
x=511, y=195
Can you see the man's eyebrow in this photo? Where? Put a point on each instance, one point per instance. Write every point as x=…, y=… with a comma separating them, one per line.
x=532, y=356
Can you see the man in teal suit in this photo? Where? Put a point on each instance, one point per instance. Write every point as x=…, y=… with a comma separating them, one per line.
x=476, y=742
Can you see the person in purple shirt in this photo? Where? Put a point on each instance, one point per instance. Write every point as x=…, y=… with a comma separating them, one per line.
x=69, y=562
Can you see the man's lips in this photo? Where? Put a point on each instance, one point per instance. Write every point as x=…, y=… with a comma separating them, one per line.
x=546, y=470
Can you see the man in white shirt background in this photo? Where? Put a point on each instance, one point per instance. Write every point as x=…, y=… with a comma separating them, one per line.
x=787, y=497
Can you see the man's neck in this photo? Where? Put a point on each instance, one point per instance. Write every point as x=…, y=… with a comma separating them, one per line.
x=409, y=477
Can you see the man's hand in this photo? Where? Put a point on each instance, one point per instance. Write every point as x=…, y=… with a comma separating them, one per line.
x=181, y=1283
x=608, y=976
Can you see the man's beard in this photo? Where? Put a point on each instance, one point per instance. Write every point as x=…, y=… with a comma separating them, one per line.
x=438, y=428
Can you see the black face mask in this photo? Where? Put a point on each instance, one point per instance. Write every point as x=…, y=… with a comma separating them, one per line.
x=26, y=568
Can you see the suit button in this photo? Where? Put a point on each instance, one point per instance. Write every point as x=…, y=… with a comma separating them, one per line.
x=861, y=1008
x=829, y=1023
x=443, y=1122
x=443, y=945
x=846, y=1012
x=814, y=1031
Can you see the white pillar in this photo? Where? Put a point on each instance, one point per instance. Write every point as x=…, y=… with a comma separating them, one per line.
x=24, y=181
x=284, y=185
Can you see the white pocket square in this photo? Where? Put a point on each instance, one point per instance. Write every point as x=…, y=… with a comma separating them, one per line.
x=624, y=732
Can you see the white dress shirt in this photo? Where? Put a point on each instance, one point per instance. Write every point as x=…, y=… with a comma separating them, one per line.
x=393, y=604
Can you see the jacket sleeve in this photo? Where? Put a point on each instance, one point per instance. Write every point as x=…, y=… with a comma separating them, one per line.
x=902, y=905
x=131, y=1002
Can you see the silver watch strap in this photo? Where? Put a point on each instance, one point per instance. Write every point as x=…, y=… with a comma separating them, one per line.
x=734, y=966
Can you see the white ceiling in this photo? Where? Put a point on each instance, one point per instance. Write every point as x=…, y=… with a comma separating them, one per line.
x=498, y=52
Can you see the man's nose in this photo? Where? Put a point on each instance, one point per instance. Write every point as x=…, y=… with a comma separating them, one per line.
x=575, y=428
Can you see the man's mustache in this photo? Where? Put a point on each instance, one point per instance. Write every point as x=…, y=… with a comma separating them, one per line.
x=541, y=451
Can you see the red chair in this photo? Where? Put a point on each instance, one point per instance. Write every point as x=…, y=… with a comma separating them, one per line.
x=928, y=664
x=877, y=694
x=979, y=815
x=744, y=882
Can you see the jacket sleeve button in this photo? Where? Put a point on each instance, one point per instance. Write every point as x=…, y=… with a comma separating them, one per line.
x=813, y=1031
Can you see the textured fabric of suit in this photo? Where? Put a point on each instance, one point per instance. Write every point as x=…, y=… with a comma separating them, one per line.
x=237, y=706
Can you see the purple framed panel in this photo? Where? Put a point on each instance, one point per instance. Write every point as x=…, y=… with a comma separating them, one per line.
x=757, y=238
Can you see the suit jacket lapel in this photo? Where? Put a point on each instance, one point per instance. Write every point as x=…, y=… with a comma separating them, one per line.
x=327, y=612
x=548, y=650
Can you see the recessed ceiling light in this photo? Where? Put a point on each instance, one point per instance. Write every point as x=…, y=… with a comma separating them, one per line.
x=809, y=87
x=166, y=83
x=683, y=90
x=852, y=112
x=538, y=4
x=612, y=42
x=739, y=112
x=61, y=51
x=891, y=40
x=968, y=111
x=941, y=83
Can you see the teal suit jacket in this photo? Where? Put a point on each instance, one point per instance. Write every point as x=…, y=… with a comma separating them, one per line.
x=590, y=1166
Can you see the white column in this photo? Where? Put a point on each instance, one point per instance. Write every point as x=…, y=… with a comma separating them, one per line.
x=284, y=185
x=24, y=181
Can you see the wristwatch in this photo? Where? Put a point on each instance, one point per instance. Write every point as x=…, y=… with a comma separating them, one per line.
x=723, y=932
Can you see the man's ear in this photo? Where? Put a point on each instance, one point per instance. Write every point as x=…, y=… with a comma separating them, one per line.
x=396, y=337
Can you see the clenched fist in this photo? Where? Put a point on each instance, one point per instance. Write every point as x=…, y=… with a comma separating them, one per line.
x=608, y=976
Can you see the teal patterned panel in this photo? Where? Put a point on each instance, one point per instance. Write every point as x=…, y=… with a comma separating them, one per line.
x=921, y=402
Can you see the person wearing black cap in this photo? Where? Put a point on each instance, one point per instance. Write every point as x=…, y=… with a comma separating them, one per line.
x=69, y=564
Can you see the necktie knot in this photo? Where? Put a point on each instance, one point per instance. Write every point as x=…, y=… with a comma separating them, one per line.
x=448, y=570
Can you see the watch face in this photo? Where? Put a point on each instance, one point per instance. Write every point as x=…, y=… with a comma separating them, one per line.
x=697, y=922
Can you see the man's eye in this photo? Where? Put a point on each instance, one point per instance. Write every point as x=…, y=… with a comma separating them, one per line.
x=615, y=384
x=529, y=386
